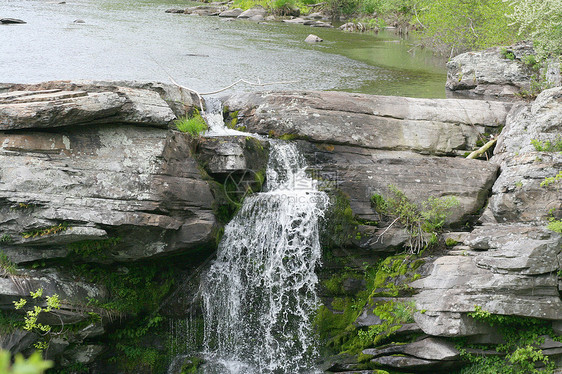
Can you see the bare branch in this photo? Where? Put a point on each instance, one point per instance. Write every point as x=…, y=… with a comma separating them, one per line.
x=247, y=82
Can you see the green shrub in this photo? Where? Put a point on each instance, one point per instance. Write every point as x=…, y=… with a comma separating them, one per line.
x=552, y=180
x=31, y=316
x=194, y=125
x=555, y=225
x=429, y=218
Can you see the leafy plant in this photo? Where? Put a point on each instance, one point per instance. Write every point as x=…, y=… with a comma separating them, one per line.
x=555, y=225
x=522, y=335
x=7, y=266
x=509, y=55
x=547, y=145
x=32, y=365
x=194, y=125
x=459, y=25
x=552, y=180
x=541, y=21
x=393, y=315
x=429, y=218
x=31, y=316
x=45, y=231
x=6, y=238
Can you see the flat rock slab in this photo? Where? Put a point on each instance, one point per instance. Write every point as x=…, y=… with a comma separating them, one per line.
x=429, y=126
x=41, y=109
x=429, y=349
x=74, y=103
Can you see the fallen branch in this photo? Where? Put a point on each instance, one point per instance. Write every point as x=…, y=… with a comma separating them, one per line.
x=247, y=82
x=480, y=151
x=385, y=230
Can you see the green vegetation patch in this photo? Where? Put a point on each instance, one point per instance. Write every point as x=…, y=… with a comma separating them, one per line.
x=195, y=124
x=522, y=336
x=428, y=218
x=547, y=145
x=45, y=231
x=335, y=322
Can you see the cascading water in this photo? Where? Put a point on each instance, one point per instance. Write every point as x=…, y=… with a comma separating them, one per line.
x=214, y=119
x=259, y=295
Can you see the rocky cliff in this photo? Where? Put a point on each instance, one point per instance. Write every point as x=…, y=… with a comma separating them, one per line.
x=104, y=203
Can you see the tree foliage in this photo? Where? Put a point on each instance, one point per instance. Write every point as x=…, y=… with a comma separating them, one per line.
x=541, y=20
x=458, y=25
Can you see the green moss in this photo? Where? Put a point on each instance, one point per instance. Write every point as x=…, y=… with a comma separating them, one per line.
x=335, y=284
x=341, y=225
x=394, y=274
x=450, y=242
x=191, y=366
x=393, y=315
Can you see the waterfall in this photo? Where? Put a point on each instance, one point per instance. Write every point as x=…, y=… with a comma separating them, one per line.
x=214, y=118
x=259, y=296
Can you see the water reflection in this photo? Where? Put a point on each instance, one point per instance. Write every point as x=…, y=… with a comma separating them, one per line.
x=126, y=39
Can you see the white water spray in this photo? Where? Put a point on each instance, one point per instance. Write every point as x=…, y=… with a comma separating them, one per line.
x=215, y=122
x=259, y=296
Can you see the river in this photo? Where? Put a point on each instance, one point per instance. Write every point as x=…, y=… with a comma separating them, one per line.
x=137, y=40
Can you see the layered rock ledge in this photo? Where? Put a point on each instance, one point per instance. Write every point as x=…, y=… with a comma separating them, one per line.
x=101, y=162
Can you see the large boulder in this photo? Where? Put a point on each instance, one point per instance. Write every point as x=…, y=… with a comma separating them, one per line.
x=525, y=159
x=494, y=72
x=362, y=172
x=364, y=143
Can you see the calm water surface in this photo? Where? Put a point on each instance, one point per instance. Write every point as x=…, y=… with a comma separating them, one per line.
x=136, y=39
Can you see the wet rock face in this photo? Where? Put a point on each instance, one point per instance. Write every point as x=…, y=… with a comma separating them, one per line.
x=111, y=181
x=527, y=152
x=92, y=167
x=510, y=265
